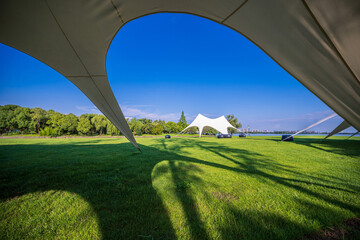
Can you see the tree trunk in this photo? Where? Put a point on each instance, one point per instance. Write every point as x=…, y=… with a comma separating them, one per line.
x=100, y=131
x=38, y=126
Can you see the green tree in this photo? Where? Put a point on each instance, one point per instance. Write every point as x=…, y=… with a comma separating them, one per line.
x=161, y=122
x=69, y=123
x=84, y=126
x=233, y=121
x=171, y=127
x=192, y=130
x=10, y=107
x=11, y=115
x=39, y=118
x=145, y=120
x=90, y=116
x=182, y=121
x=55, y=122
x=23, y=118
x=182, y=118
x=8, y=118
x=100, y=122
x=110, y=128
x=3, y=120
x=147, y=126
x=157, y=129
x=48, y=131
x=212, y=131
x=136, y=126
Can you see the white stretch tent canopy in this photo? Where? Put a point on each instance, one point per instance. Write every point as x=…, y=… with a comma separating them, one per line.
x=316, y=41
x=204, y=123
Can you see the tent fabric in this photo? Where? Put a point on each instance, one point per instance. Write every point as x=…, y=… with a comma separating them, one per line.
x=203, y=123
x=315, y=41
x=344, y=125
x=353, y=134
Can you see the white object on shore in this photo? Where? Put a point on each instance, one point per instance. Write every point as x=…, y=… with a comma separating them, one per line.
x=204, y=123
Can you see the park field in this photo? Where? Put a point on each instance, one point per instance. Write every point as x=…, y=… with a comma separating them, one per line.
x=179, y=188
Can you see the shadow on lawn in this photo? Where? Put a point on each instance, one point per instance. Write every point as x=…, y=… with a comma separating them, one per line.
x=117, y=181
x=348, y=147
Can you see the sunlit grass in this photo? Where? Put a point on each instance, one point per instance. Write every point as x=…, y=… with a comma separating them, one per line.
x=184, y=188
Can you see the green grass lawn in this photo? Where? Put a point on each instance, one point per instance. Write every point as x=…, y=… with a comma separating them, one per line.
x=179, y=188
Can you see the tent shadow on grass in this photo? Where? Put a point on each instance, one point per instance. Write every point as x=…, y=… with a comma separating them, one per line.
x=349, y=147
x=116, y=180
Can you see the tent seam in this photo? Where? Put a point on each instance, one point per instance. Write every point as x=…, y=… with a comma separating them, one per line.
x=117, y=11
x=231, y=14
x=85, y=76
x=329, y=39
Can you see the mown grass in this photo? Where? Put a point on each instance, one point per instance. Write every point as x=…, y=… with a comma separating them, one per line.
x=179, y=188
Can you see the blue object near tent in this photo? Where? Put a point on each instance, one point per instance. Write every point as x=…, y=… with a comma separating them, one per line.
x=167, y=136
x=287, y=138
x=220, y=135
x=242, y=135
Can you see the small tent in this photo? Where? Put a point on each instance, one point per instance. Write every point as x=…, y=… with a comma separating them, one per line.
x=203, y=123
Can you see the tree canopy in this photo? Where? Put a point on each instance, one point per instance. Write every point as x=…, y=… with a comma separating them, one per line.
x=20, y=120
x=84, y=126
x=233, y=121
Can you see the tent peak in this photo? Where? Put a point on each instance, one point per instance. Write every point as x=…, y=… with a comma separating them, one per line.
x=220, y=124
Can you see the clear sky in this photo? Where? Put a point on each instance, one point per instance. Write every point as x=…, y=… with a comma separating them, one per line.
x=161, y=64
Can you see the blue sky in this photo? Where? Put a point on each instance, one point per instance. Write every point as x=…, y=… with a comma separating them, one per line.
x=161, y=64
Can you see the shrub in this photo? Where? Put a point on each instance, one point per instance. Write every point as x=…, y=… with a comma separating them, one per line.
x=47, y=131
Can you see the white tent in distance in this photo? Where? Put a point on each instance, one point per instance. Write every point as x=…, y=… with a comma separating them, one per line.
x=204, y=123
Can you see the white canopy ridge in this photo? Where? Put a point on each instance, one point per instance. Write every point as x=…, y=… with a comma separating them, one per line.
x=220, y=124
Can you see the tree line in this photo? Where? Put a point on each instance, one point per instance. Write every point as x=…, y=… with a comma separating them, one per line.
x=16, y=119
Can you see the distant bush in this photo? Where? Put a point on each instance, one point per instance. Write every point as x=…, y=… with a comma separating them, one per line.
x=48, y=132
x=138, y=132
x=20, y=120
